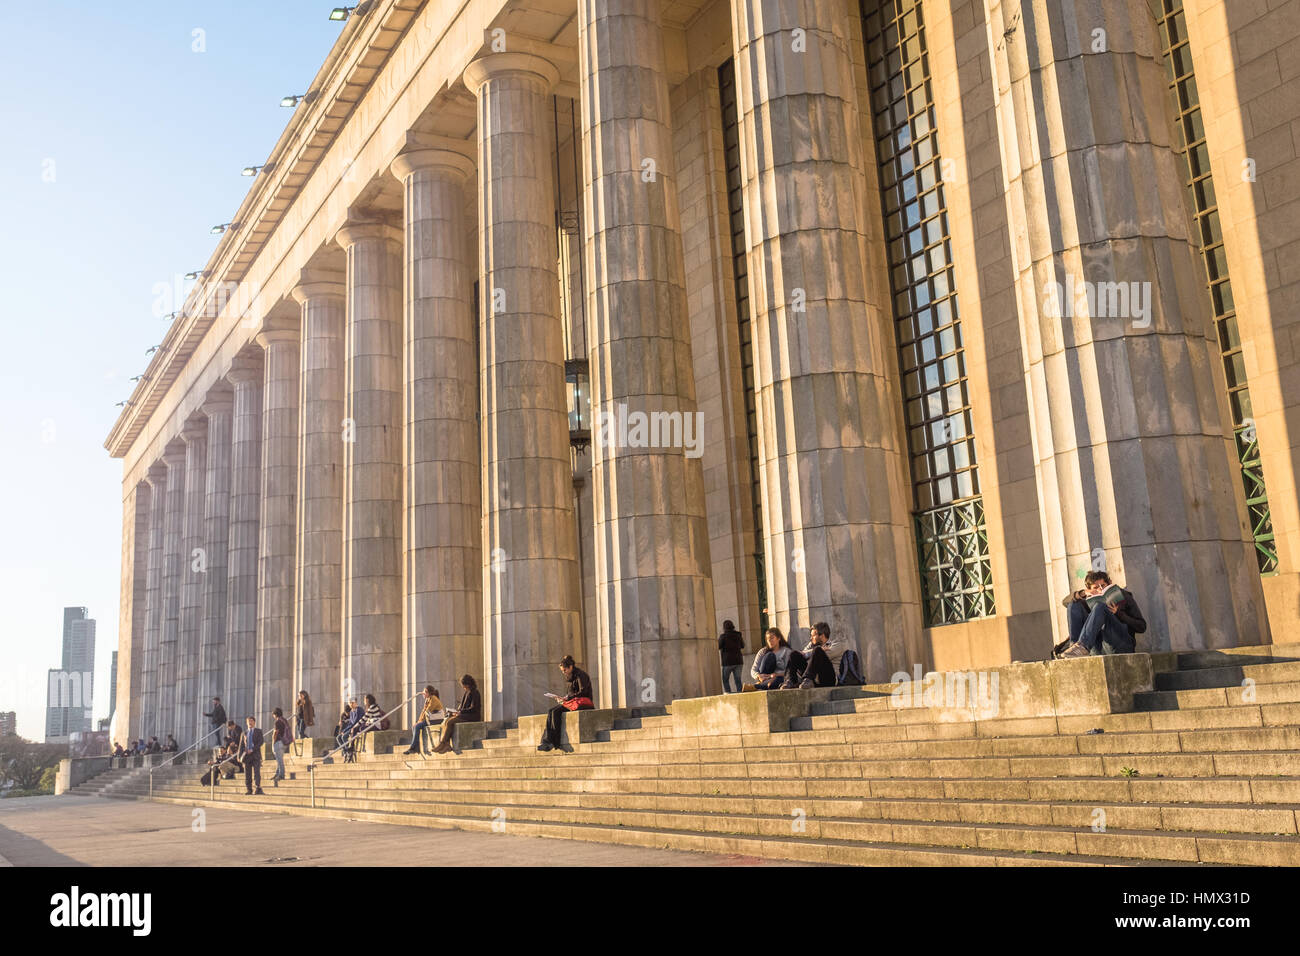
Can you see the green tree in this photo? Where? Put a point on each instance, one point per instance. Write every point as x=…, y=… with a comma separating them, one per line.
x=25, y=763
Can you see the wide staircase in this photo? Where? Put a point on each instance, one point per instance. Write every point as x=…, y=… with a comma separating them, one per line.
x=1204, y=769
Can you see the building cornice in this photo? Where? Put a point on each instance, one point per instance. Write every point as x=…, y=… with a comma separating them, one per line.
x=362, y=49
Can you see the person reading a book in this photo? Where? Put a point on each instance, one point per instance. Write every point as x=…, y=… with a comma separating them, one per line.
x=470, y=709
x=431, y=714
x=1103, y=618
x=578, y=698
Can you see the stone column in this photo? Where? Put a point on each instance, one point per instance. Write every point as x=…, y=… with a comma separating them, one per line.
x=146, y=719
x=1134, y=466
x=654, y=591
x=278, y=526
x=372, y=455
x=194, y=571
x=173, y=563
x=133, y=615
x=219, y=409
x=840, y=543
x=442, y=563
x=318, y=590
x=245, y=376
x=530, y=569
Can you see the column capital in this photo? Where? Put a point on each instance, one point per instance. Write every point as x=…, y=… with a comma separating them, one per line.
x=156, y=474
x=195, y=429
x=245, y=369
x=277, y=336
x=355, y=231
x=451, y=164
x=502, y=64
x=219, y=401
x=174, y=454
x=319, y=284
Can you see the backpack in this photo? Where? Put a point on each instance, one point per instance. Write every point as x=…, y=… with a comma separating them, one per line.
x=850, y=669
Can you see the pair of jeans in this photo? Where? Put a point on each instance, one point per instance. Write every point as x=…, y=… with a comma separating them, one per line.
x=419, y=728
x=817, y=666
x=277, y=748
x=730, y=676
x=767, y=665
x=1102, y=627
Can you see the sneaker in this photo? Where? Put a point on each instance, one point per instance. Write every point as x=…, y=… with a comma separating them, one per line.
x=807, y=684
x=545, y=746
x=1075, y=650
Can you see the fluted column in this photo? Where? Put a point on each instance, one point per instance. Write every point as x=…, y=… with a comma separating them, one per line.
x=133, y=615
x=194, y=572
x=443, y=563
x=146, y=718
x=318, y=592
x=372, y=455
x=654, y=591
x=173, y=563
x=245, y=378
x=277, y=542
x=836, y=509
x=1134, y=465
x=219, y=409
x=530, y=548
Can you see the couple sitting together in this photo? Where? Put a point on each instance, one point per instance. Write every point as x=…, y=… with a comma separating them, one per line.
x=1103, y=619
x=780, y=666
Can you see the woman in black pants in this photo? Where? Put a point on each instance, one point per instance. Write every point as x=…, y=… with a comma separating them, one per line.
x=578, y=698
x=470, y=709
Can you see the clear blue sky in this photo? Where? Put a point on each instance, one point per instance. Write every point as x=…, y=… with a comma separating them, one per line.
x=120, y=146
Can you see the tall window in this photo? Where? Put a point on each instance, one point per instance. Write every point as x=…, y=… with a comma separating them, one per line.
x=1191, y=144
x=952, y=543
x=740, y=273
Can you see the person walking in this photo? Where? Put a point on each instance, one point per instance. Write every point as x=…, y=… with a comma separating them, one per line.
x=578, y=698
x=279, y=732
x=252, y=758
x=470, y=709
x=731, y=648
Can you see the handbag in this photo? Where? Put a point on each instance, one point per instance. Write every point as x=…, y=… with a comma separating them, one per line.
x=576, y=703
x=383, y=724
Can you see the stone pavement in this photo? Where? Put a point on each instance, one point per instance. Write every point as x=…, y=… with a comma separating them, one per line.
x=88, y=831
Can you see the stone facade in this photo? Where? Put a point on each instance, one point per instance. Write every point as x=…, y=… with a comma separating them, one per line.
x=900, y=314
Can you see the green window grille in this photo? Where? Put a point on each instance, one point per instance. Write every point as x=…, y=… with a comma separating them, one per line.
x=1208, y=235
x=740, y=273
x=956, y=575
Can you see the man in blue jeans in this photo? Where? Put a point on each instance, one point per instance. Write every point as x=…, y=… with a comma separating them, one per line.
x=1107, y=628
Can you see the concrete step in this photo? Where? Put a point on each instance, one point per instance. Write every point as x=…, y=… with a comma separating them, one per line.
x=1284, y=692
x=1112, y=841
x=1228, y=676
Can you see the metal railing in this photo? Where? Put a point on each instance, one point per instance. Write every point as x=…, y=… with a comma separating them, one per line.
x=174, y=756
x=311, y=764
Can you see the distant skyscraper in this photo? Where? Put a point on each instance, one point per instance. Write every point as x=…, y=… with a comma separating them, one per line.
x=8, y=723
x=112, y=687
x=70, y=700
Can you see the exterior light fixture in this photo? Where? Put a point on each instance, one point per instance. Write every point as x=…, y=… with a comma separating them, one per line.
x=291, y=101
x=577, y=382
x=342, y=13
x=150, y=351
x=197, y=274
x=224, y=227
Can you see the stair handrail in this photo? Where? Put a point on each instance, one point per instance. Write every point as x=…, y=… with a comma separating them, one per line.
x=311, y=762
x=174, y=756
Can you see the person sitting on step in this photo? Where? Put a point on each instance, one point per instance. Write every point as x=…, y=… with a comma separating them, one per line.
x=225, y=763
x=1103, y=618
x=578, y=698
x=771, y=662
x=469, y=711
x=349, y=722
x=818, y=665
x=431, y=714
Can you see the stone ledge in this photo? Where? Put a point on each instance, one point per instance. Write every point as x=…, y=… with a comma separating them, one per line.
x=584, y=726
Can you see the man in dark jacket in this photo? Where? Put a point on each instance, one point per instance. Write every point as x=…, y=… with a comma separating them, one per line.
x=218, y=717
x=1112, y=626
x=578, y=698
x=251, y=752
x=731, y=647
